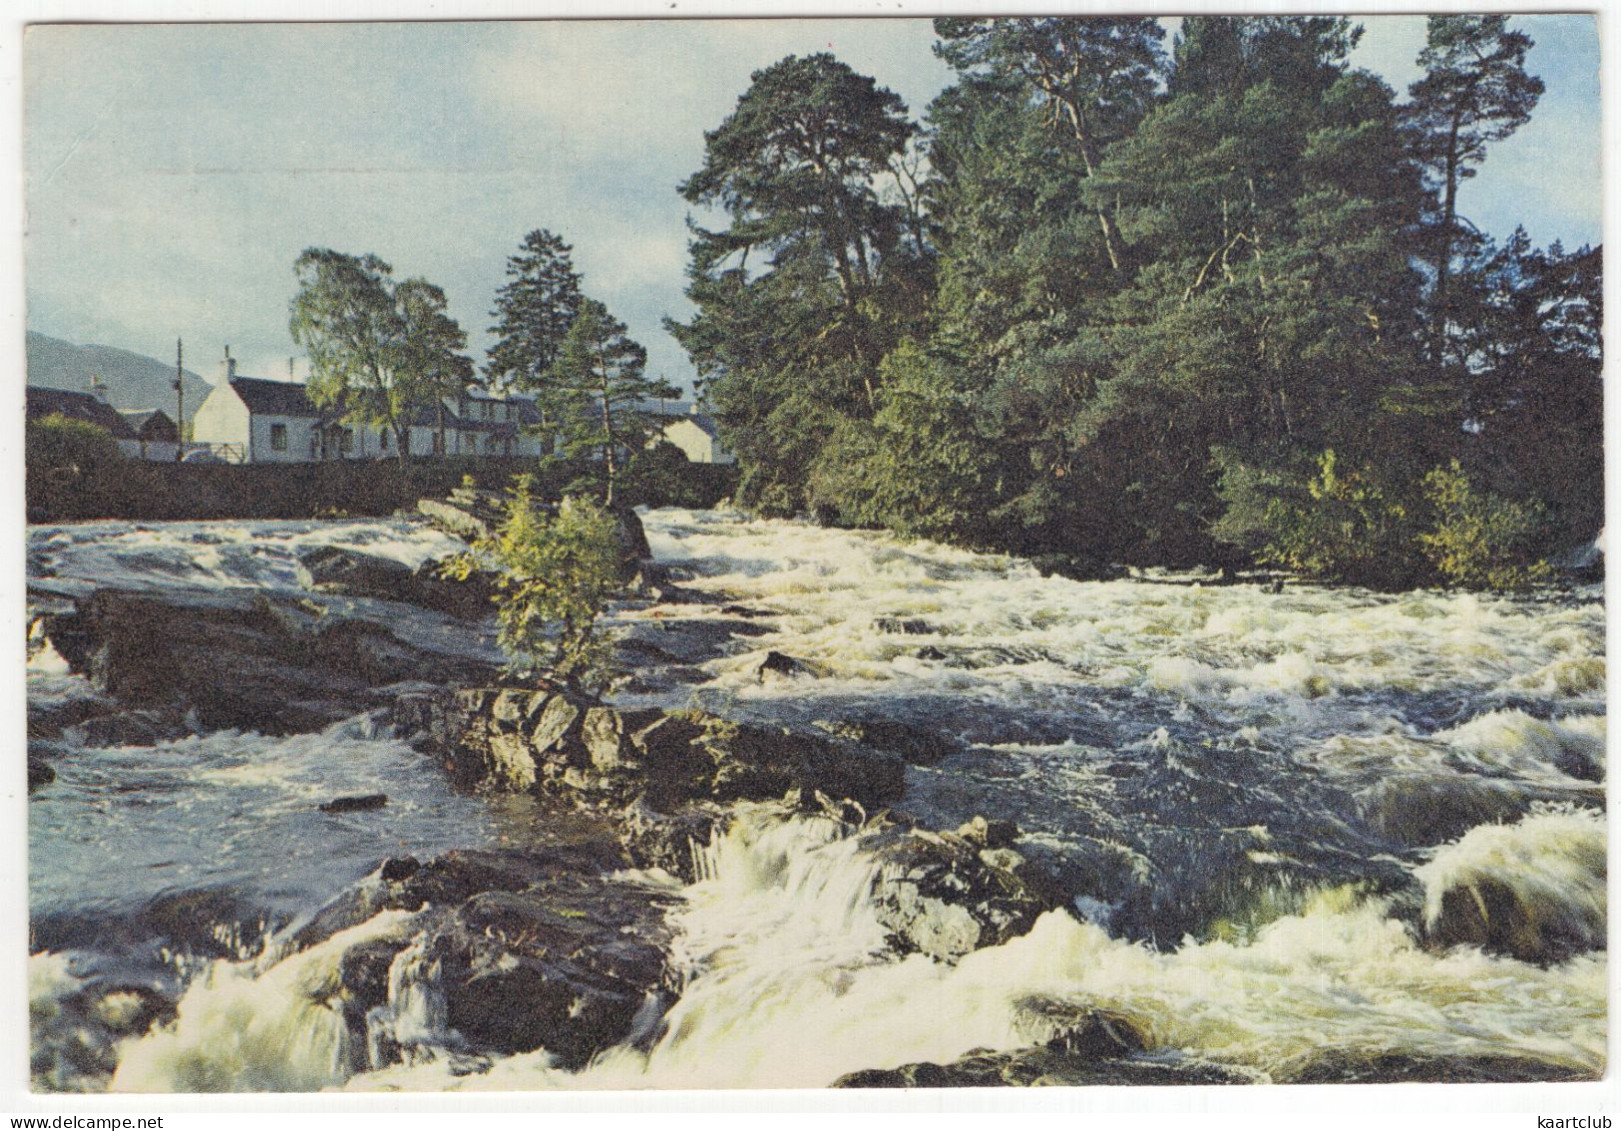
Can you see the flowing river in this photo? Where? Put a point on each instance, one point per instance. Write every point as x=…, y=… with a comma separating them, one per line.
x=1260, y=801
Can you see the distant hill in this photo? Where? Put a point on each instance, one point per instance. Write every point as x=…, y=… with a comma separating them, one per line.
x=134, y=382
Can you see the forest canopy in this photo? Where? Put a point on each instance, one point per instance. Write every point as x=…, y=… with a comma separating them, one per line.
x=1209, y=301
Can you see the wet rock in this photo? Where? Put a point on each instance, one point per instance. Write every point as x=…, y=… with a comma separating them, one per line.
x=906, y=626
x=48, y=719
x=467, y=521
x=919, y=746
x=76, y=1037
x=988, y=833
x=243, y=660
x=556, y=726
x=336, y=569
x=1096, y=1048
x=1537, y=890
x=129, y=728
x=399, y=868
x=945, y=896
x=357, y=804
x=1418, y=811
x=467, y=599
x=671, y=841
x=539, y=949
x=758, y=763
x=567, y=745
x=776, y=665
x=1490, y=913
x=1342, y=1066
x=1077, y=567
x=684, y=641
x=632, y=538
x=39, y=772
x=363, y=972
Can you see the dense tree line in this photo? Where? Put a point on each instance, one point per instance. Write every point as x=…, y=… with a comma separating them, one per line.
x=1209, y=301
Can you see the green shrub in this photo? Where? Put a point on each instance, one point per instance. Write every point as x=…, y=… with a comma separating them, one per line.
x=556, y=574
x=918, y=467
x=1481, y=540
x=59, y=443
x=1354, y=525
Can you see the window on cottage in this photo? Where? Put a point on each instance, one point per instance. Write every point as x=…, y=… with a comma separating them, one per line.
x=278, y=437
x=346, y=440
x=382, y=438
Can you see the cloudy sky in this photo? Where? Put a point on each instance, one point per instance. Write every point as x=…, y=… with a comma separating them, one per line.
x=175, y=172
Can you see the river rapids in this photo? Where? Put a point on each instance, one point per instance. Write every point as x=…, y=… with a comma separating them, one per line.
x=1316, y=826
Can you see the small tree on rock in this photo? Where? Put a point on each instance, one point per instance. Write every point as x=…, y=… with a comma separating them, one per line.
x=555, y=574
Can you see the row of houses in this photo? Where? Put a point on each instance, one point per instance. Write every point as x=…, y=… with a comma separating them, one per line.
x=146, y=434
x=254, y=420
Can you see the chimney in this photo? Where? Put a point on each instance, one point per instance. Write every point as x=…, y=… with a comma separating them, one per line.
x=228, y=366
x=98, y=388
x=290, y=369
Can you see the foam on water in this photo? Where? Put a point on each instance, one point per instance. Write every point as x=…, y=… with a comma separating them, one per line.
x=240, y=1028
x=790, y=987
x=217, y=555
x=1551, y=867
x=1234, y=643
x=1166, y=723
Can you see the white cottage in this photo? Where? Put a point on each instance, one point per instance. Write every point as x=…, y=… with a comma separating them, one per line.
x=698, y=437
x=251, y=420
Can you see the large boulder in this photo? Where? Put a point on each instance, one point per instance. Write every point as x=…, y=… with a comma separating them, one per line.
x=948, y=894
x=244, y=660
x=334, y=569
x=558, y=742
x=1087, y=1047
x=464, y=520
x=673, y=841
x=919, y=746
x=349, y=573
x=548, y=949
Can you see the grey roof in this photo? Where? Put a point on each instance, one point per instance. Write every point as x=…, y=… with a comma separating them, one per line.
x=276, y=398
x=151, y=424
x=43, y=402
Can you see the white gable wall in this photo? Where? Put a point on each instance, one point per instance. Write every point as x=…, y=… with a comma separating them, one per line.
x=699, y=445
x=222, y=418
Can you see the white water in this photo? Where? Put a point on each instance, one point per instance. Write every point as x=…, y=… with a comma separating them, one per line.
x=216, y=555
x=243, y=1029
x=1117, y=714
x=790, y=988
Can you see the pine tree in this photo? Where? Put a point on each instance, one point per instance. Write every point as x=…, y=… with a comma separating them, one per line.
x=814, y=277
x=1096, y=76
x=1475, y=91
x=595, y=388
x=533, y=310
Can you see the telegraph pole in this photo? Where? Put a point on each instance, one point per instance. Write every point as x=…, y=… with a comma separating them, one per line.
x=179, y=401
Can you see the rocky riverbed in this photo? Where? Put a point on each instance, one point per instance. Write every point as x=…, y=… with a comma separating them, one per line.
x=277, y=776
